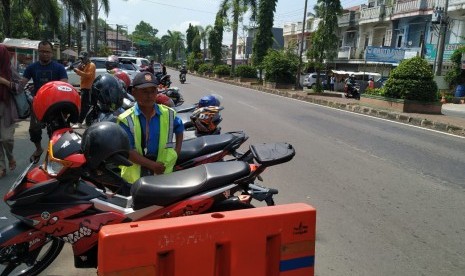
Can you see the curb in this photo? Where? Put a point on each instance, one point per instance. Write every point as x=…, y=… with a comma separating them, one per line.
x=356, y=108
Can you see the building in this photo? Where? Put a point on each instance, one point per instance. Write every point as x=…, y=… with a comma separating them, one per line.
x=376, y=36
x=245, y=44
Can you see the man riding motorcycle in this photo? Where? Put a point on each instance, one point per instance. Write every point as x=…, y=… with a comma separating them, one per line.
x=182, y=74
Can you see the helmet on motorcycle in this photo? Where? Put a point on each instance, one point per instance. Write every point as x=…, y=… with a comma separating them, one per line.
x=111, y=62
x=209, y=100
x=174, y=95
x=120, y=74
x=165, y=100
x=104, y=143
x=206, y=119
x=56, y=98
x=109, y=92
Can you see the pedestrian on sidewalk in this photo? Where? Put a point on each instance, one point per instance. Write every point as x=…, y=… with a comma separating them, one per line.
x=332, y=80
x=42, y=71
x=9, y=84
x=86, y=70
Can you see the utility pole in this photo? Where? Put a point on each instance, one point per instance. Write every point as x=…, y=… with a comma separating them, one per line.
x=117, y=38
x=301, y=48
x=443, y=20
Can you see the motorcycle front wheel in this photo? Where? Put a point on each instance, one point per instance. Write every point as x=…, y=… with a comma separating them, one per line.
x=17, y=260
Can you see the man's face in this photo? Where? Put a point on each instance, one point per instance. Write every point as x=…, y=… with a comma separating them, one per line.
x=145, y=97
x=45, y=53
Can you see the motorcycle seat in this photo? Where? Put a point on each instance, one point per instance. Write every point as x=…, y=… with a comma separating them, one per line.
x=204, y=145
x=166, y=189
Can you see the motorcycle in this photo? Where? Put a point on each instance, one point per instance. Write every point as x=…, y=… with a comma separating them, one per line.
x=66, y=201
x=352, y=90
x=182, y=78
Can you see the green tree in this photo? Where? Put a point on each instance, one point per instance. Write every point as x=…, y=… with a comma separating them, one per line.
x=325, y=40
x=413, y=79
x=264, y=36
x=95, y=7
x=204, y=34
x=215, y=38
x=174, y=42
x=280, y=66
x=75, y=10
x=190, y=35
x=237, y=8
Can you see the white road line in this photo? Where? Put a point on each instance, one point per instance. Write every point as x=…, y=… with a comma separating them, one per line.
x=246, y=104
x=360, y=114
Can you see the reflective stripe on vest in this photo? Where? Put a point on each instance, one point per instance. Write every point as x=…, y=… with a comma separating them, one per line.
x=166, y=153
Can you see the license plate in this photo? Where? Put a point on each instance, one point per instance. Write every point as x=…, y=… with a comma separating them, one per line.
x=20, y=178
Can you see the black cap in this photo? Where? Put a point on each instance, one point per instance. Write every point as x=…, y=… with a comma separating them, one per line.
x=144, y=79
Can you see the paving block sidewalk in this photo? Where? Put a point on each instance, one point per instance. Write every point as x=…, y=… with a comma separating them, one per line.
x=450, y=124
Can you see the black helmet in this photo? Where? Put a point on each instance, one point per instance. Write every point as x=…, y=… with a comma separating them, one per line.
x=109, y=92
x=112, y=62
x=105, y=143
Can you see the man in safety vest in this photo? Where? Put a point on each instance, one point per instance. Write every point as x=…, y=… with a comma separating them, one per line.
x=151, y=129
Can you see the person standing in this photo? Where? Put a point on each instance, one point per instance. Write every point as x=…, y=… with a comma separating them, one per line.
x=163, y=69
x=150, y=128
x=42, y=71
x=86, y=70
x=8, y=85
x=332, y=81
x=371, y=83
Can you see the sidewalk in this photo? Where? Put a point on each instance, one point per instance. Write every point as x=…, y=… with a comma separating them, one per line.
x=451, y=121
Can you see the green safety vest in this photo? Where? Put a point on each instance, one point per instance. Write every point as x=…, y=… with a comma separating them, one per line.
x=166, y=152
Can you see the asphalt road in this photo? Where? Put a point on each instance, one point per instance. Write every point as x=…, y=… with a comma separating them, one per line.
x=389, y=197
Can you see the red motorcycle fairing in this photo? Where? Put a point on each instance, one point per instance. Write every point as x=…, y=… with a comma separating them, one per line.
x=81, y=232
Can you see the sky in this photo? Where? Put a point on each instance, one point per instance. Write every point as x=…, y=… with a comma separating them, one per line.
x=175, y=15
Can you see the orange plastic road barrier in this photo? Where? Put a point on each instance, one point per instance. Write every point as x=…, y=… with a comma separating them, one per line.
x=277, y=240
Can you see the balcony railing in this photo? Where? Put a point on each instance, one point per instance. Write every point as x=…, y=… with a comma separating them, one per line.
x=378, y=13
x=346, y=52
x=417, y=5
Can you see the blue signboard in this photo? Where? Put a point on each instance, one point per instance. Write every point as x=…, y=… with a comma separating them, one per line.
x=431, y=51
x=384, y=54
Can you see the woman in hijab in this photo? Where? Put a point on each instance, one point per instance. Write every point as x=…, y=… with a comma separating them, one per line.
x=8, y=112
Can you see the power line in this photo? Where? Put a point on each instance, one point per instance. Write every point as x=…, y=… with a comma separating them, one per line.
x=178, y=7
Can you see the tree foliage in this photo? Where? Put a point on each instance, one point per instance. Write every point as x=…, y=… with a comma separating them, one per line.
x=215, y=38
x=280, y=66
x=237, y=8
x=144, y=36
x=246, y=71
x=264, y=36
x=413, y=79
x=456, y=75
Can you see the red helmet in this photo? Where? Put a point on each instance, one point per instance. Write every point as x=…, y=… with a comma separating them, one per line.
x=120, y=74
x=56, y=97
x=165, y=100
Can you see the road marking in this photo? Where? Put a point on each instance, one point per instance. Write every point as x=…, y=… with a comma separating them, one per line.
x=254, y=107
x=351, y=112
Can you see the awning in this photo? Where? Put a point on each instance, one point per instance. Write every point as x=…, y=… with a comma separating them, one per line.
x=21, y=43
x=70, y=52
x=341, y=72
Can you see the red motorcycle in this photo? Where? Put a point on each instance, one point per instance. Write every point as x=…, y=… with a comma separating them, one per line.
x=67, y=200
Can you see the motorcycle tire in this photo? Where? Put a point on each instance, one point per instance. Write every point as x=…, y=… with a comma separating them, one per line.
x=56, y=245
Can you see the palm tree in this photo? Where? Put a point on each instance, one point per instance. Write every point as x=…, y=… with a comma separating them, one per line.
x=204, y=33
x=173, y=41
x=46, y=10
x=95, y=6
x=237, y=8
x=75, y=10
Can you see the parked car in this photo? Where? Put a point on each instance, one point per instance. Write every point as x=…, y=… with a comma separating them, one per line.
x=310, y=79
x=100, y=69
x=141, y=62
x=157, y=68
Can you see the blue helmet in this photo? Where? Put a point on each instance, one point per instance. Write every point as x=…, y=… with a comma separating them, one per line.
x=209, y=100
